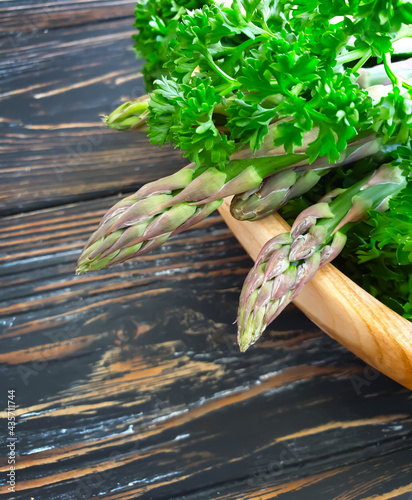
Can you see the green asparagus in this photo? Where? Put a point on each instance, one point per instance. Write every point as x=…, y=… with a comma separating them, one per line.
x=131, y=115
x=163, y=208
x=278, y=189
x=317, y=236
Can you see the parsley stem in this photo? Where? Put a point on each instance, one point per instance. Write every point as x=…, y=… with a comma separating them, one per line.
x=394, y=78
x=220, y=71
x=317, y=115
x=248, y=43
x=362, y=61
x=351, y=56
x=268, y=30
x=225, y=89
x=391, y=75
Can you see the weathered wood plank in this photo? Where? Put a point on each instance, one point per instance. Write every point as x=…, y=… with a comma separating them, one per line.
x=54, y=149
x=385, y=477
x=21, y=21
x=129, y=383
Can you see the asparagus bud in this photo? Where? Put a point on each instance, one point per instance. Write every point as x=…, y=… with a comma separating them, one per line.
x=290, y=260
x=127, y=236
x=131, y=115
x=274, y=193
x=128, y=230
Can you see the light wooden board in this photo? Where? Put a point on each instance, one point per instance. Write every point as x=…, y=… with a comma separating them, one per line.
x=341, y=308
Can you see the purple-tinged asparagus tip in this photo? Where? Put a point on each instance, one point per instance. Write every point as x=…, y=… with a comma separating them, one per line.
x=307, y=218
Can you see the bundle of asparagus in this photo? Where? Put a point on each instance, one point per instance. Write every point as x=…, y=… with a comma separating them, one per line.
x=265, y=99
x=290, y=260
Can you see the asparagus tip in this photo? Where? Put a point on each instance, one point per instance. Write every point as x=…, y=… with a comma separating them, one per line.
x=242, y=342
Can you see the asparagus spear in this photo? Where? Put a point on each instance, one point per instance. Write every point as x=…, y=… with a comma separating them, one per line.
x=274, y=193
x=165, y=207
x=276, y=190
x=290, y=260
x=135, y=225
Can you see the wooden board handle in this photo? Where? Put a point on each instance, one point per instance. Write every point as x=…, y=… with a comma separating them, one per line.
x=341, y=308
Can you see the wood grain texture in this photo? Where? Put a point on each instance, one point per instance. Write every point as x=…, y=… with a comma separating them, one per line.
x=54, y=149
x=383, y=478
x=20, y=20
x=341, y=308
x=129, y=382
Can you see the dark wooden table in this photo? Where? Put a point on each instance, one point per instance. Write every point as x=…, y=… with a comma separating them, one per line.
x=128, y=381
